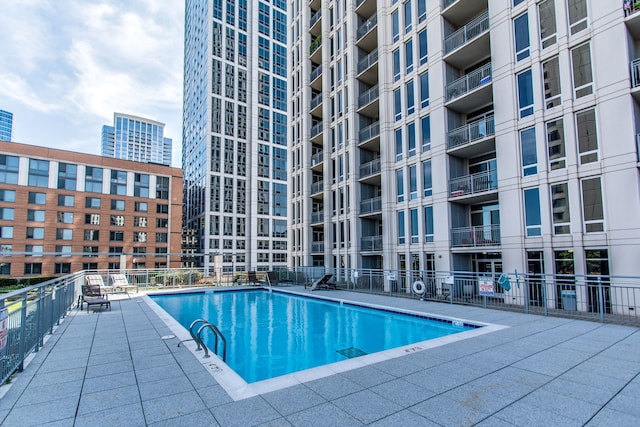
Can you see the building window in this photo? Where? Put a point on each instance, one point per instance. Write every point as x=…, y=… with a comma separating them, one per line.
x=62, y=268
x=92, y=203
x=117, y=220
x=426, y=178
x=141, y=206
x=139, y=236
x=93, y=180
x=581, y=67
x=91, y=235
x=35, y=215
x=36, y=233
x=67, y=176
x=5, y=268
x=401, y=232
x=411, y=139
x=577, y=15
x=525, y=93
x=38, y=173
x=423, y=47
x=532, y=218
x=551, y=82
x=408, y=54
x=555, y=144
x=279, y=228
x=529, y=155
x=162, y=237
x=33, y=250
x=63, y=251
x=592, y=205
x=422, y=10
x=397, y=102
x=9, y=166
x=64, y=234
x=37, y=198
x=116, y=236
x=396, y=65
x=395, y=25
x=65, y=218
x=162, y=208
x=547, y=16
x=407, y=16
x=117, y=205
x=8, y=196
x=7, y=214
x=587, y=136
x=88, y=266
x=89, y=251
x=161, y=223
x=521, y=31
x=6, y=232
x=162, y=188
x=67, y=201
x=141, y=185
x=118, y=183
x=560, y=206
x=411, y=104
x=413, y=225
x=141, y=221
x=400, y=185
x=413, y=182
x=33, y=268
x=428, y=224
x=424, y=89
x=399, y=144
x=425, y=125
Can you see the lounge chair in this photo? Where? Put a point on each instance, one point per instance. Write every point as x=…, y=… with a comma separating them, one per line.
x=323, y=283
x=96, y=280
x=92, y=295
x=252, y=278
x=120, y=281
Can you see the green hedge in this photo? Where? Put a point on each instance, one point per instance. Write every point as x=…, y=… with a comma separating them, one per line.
x=7, y=281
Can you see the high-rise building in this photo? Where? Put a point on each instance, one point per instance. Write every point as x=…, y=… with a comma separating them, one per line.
x=468, y=135
x=62, y=212
x=6, y=126
x=135, y=138
x=234, y=151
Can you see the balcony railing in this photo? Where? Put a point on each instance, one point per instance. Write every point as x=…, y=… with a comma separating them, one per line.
x=314, y=18
x=469, y=82
x=317, y=158
x=635, y=73
x=472, y=184
x=317, y=187
x=315, y=101
x=315, y=44
x=316, y=129
x=447, y=3
x=371, y=243
x=471, y=132
x=315, y=73
x=367, y=26
x=317, y=217
x=370, y=168
x=370, y=132
x=467, y=33
x=317, y=247
x=369, y=96
x=481, y=235
x=371, y=205
x=368, y=61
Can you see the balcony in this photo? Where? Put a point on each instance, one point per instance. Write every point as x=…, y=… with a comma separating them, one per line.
x=317, y=217
x=471, y=91
x=367, y=35
x=371, y=243
x=317, y=247
x=315, y=4
x=314, y=78
x=315, y=26
x=315, y=53
x=317, y=188
x=472, y=139
x=370, y=168
x=366, y=7
x=459, y=12
x=368, y=68
x=315, y=106
x=368, y=102
x=477, y=183
x=633, y=21
x=369, y=137
x=371, y=206
x=469, y=44
x=316, y=132
x=478, y=236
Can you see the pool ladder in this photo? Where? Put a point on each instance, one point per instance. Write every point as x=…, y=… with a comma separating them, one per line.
x=197, y=337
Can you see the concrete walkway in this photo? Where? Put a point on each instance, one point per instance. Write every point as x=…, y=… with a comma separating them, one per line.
x=114, y=368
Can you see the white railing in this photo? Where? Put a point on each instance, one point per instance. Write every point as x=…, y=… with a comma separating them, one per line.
x=481, y=235
x=368, y=96
x=472, y=184
x=370, y=168
x=467, y=33
x=635, y=73
x=368, y=61
x=371, y=205
x=474, y=131
x=370, y=132
x=371, y=243
x=317, y=158
x=469, y=82
x=367, y=26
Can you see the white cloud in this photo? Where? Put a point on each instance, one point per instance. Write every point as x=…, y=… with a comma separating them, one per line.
x=15, y=87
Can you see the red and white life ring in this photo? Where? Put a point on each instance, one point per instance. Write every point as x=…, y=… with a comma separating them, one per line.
x=418, y=287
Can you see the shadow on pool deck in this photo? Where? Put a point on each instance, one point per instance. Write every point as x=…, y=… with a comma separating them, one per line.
x=102, y=368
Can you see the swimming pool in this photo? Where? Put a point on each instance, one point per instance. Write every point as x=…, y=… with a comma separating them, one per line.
x=270, y=334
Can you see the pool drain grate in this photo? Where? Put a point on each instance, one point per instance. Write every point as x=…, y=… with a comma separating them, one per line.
x=351, y=352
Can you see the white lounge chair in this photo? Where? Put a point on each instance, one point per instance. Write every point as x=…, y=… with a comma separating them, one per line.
x=120, y=281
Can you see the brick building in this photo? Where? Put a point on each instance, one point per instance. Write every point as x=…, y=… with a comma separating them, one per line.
x=62, y=211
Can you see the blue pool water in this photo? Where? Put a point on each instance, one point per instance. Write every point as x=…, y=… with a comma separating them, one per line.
x=271, y=334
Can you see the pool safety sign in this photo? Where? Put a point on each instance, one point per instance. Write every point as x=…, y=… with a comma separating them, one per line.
x=4, y=329
x=486, y=286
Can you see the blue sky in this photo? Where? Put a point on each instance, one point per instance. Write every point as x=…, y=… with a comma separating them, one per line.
x=67, y=65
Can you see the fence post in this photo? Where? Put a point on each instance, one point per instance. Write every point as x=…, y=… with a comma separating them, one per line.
x=544, y=296
x=601, y=307
x=23, y=330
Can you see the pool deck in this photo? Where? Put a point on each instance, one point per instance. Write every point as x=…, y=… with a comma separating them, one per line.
x=114, y=368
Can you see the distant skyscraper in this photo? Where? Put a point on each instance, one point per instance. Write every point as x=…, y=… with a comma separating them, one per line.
x=6, y=125
x=136, y=138
x=234, y=152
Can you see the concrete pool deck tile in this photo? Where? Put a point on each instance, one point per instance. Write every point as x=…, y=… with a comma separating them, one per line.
x=523, y=414
x=293, y=399
x=197, y=419
x=96, y=359
x=110, y=369
x=213, y=396
x=108, y=399
x=172, y=406
x=605, y=416
x=42, y=413
x=128, y=415
x=439, y=409
x=108, y=382
x=156, y=373
x=404, y=418
x=402, y=392
x=368, y=376
x=328, y=413
x=565, y=406
x=626, y=403
x=40, y=394
x=334, y=387
x=367, y=406
x=247, y=412
x=164, y=387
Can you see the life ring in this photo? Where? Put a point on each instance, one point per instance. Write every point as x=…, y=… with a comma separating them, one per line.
x=418, y=287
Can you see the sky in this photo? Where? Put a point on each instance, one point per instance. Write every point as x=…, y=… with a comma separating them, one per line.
x=67, y=65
